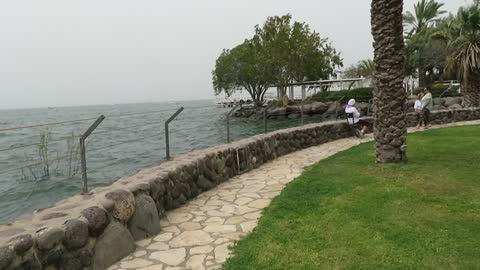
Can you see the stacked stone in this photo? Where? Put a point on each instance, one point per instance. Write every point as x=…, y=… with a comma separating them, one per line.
x=70, y=246
x=100, y=229
x=447, y=116
x=440, y=103
x=328, y=110
x=313, y=109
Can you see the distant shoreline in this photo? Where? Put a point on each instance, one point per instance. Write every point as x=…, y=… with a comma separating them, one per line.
x=114, y=104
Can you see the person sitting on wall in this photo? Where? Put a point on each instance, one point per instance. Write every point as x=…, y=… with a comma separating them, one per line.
x=356, y=121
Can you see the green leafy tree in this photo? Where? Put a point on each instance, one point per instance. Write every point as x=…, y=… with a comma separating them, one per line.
x=296, y=53
x=280, y=52
x=243, y=67
x=224, y=76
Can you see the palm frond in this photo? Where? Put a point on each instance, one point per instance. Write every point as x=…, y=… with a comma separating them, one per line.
x=463, y=33
x=426, y=14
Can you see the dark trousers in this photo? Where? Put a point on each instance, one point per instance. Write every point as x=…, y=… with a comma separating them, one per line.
x=426, y=116
x=419, y=118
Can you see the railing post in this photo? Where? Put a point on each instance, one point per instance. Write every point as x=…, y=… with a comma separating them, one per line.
x=83, y=152
x=265, y=120
x=336, y=110
x=336, y=107
x=301, y=113
x=228, y=122
x=167, y=135
x=83, y=164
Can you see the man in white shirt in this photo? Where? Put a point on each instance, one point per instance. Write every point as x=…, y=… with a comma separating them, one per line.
x=350, y=109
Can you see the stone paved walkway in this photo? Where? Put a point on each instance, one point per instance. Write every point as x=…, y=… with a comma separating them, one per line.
x=197, y=235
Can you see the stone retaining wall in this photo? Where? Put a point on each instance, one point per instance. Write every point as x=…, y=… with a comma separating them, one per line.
x=94, y=231
x=328, y=110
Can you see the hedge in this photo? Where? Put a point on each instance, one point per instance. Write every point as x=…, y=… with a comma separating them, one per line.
x=441, y=90
x=359, y=94
x=366, y=94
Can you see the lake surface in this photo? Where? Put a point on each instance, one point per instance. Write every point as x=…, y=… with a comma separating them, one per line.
x=129, y=139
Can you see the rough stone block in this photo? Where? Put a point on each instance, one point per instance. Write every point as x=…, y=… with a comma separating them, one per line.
x=53, y=256
x=439, y=101
x=145, y=222
x=157, y=188
x=70, y=262
x=28, y=261
x=77, y=260
x=204, y=183
x=21, y=243
x=49, y=238
x=6, y=257
x=115, y=243
x=76, y=234
x=319, y=107
x=455, y=107
x=98, y=220
x=124, y=204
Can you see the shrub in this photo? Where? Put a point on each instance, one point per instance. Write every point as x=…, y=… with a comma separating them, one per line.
x=441, y=90
x=359, y=94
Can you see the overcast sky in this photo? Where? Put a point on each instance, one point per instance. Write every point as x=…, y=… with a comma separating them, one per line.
x=66, y=52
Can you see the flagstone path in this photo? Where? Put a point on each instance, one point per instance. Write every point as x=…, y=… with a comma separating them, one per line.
x=198, y=235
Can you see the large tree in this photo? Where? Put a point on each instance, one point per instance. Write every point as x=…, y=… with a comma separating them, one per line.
x=280, y=52
x=423, y=51
x=243, y=67
x=296, y=52
x=389, y=95
x=462, y=34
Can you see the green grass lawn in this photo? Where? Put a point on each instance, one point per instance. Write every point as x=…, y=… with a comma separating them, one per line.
x=346, y=212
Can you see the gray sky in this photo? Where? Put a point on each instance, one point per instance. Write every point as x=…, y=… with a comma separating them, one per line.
x=65, y=52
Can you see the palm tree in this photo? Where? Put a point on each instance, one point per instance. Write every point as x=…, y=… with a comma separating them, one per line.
x=463, y=42
x=419, y=29
x=389, y=95
x=427, y=13
x=366, y=68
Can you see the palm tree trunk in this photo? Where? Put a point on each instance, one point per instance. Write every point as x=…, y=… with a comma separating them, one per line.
x=422, y=77
x=471, y=91
x=389, y=96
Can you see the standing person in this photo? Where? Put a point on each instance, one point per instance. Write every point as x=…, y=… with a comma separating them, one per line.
x=427, y=106
x=356, y=115
x=418, y=110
